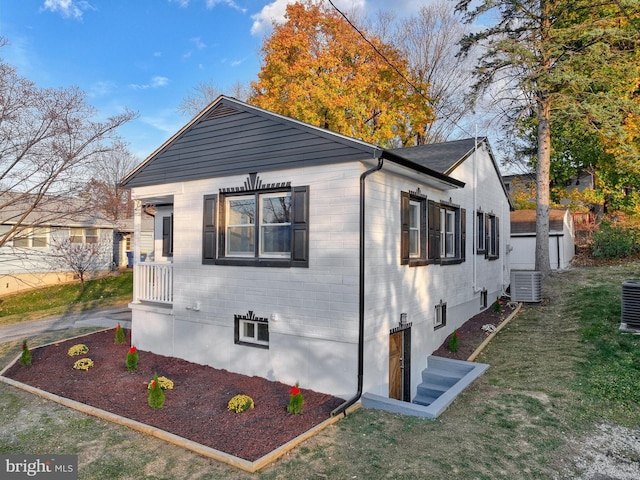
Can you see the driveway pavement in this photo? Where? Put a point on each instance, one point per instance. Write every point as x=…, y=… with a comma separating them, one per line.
x=101, y=317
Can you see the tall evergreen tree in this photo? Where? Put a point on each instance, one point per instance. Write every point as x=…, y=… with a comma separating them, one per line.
x=555, y=56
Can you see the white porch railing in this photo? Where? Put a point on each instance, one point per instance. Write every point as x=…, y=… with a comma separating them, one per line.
x=153, y=282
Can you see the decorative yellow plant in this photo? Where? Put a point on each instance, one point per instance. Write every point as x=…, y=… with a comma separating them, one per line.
x=240, y=403
x=164, y=382
x=79, y=349
x=83, y=364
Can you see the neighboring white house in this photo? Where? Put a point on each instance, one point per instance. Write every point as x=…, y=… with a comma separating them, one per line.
x=26, y=259
x=523, y=239
x=296, y=254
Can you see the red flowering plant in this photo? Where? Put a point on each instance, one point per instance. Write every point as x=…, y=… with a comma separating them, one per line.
x=119, y=334
x=454, y=341
x=132, y=359
x=25, y=356
x=296, y=400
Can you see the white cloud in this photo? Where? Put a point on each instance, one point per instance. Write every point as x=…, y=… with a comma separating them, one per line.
x=159, y=81
x=197, y=41
x=67, y=8
x=275, y=11
x=156, y=82
x=101, y=89
x=230, y=3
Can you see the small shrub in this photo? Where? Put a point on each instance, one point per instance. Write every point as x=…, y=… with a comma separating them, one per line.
x=79, y=349
x=454, y=341
x=240, y=403
x=614, y=241
x=83, y=364
x=156, y=394
x=119, y=334
x=25, y=356
x=497, y=305
x=296, y=401
x=132, y=359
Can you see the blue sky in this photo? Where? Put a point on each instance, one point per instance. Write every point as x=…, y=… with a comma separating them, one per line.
x=146, y=55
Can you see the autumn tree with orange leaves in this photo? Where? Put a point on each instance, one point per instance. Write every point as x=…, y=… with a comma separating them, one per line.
x=318, y=69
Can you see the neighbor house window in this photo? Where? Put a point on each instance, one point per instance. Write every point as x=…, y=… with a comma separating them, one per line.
x=91, y=235
x=481, y=246
x=259, y=228
x=446, y=226
x=414, y=229
x=37, y=237
x=493, y=237
x=440, y=319
x=83, y=235
x=251, y=330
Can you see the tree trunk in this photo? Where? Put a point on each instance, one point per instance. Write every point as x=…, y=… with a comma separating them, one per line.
x=543, y=263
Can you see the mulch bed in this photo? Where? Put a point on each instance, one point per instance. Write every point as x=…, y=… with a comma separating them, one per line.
x=471, y=335
x=195, y=409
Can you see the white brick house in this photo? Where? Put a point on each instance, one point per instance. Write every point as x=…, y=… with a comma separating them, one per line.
x=292, y=253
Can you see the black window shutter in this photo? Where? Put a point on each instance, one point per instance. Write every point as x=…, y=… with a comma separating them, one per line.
x=167, y=236
x=463, y=233
x=300, y=227
x=487, y=226
x=497, y=251
x=404, y=227
x=209, y=229
x=434, y=230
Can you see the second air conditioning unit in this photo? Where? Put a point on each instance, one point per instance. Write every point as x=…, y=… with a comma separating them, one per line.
x=526, y=286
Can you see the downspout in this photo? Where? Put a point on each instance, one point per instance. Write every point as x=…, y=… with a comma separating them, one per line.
x=342, y=408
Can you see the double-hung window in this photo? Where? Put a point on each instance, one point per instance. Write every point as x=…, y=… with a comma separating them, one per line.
x=447, y=233
x=493, y=237
x=259, y=228
x=241, y=224
x=481, y=246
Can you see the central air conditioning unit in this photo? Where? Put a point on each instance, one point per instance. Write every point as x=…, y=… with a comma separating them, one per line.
x=526, y=286
x=631, y=304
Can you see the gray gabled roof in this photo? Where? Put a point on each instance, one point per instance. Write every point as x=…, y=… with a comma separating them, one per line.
x=441, y=157
x=51, y=210
x=231, y=137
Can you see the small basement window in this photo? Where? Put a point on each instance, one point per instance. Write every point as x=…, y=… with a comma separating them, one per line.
x=251, y=330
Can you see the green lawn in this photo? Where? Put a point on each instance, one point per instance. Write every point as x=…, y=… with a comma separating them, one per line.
x=110, y=290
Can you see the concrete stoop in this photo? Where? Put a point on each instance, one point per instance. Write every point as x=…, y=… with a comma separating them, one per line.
x=442, y=381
